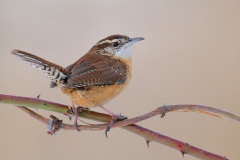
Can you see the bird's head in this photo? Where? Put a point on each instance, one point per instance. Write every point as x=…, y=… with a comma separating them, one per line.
x=116, y=45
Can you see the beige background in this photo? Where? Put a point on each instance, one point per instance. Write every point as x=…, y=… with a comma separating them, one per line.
x=191, y=55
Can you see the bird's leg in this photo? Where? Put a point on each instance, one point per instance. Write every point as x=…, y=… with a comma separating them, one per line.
x=76, y=110
x=115, y=118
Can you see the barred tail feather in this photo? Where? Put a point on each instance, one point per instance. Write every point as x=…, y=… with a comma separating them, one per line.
x=55, y=72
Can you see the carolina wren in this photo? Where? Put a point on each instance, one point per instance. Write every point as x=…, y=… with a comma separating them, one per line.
x=97, y=77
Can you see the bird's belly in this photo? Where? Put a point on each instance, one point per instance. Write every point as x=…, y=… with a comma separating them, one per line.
x=94, y=95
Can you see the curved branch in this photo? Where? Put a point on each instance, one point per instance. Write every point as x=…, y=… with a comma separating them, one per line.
x=127, y=124
x=60, y=108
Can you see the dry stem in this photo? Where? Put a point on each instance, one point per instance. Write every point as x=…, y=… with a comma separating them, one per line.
x=128, y=124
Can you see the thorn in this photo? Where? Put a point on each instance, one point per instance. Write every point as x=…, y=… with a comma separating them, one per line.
x=147, y=141
x=38, y=96
x=180, y=146
x=183, y=153
x=163, y=110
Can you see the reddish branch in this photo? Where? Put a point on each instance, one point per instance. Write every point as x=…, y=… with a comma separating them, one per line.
x=128, y=124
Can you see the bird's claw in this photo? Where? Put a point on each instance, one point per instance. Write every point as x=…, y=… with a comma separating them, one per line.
x=115, y=119
x=77, y=127
x=54, y=125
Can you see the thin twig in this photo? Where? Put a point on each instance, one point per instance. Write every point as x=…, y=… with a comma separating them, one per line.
x=145, y=133
x=149, y=135
x=60, y=108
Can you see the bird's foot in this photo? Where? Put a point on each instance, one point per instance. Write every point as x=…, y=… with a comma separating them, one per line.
x=54, y=125
x=77, y=126
x=115, y=119
x=69, y=112
x=76, y=111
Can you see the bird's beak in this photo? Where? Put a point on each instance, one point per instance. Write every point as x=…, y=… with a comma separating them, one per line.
x=133, y=40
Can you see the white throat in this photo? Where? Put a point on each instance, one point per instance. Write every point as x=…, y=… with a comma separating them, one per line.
x=125, y=52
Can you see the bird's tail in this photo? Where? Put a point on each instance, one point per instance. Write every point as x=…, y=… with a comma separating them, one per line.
x=55, y=72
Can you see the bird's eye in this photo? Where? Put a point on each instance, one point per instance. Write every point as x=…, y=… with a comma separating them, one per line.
x=115, y=44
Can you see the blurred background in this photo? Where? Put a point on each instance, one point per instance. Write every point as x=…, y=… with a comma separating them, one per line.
x=190, y=55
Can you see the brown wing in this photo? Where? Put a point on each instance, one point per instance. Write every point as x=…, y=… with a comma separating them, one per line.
x=96, y=70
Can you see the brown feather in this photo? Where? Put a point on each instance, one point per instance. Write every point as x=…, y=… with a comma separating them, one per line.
x=94, y=79
x=96, y=70
x=35, y=60
x=55, y=72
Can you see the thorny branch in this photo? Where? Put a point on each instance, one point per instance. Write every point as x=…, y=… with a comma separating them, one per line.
x=129, y=124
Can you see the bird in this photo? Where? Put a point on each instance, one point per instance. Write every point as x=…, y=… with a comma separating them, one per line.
x=94, y=79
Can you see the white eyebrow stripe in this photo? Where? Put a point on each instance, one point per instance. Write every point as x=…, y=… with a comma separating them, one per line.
x=107, y=41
